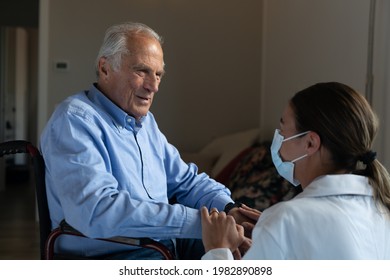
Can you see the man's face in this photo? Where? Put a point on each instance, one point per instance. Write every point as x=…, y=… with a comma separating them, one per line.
x=133, y=85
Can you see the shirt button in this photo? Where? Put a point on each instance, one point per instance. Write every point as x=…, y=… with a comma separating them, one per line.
x=129, y=120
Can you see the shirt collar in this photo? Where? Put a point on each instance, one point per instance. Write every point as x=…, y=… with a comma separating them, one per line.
x=343, y=184
x=119, y=117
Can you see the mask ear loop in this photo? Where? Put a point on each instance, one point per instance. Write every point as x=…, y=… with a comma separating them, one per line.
x=295, y=136
x=301, y=157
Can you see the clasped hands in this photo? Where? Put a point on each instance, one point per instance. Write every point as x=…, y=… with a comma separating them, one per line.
x=232, y=231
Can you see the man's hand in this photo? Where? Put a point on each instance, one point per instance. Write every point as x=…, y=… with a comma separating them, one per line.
x=247, y=217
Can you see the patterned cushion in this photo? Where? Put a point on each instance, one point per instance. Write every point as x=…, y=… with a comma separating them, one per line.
x=224, y=175
x=255, y=181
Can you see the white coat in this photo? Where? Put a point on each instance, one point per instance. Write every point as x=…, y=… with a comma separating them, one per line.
x=335, y=217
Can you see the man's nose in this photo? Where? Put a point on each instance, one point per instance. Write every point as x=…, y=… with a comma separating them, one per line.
x=151, y=83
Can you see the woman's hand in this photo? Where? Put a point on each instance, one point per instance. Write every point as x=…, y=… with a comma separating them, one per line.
x=220, y=231
x=247, y=217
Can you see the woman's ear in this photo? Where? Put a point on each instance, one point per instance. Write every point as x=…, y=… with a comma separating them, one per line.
x=313, y=142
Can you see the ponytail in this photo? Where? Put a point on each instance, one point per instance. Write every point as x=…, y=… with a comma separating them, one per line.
x=380, y=181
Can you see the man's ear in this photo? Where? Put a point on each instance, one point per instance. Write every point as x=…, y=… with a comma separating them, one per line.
x=313, y=142
x=103, y=67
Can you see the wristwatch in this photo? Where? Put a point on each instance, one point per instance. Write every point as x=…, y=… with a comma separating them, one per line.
x=231, y=205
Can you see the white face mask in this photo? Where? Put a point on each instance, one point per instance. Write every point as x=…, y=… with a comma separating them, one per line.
x=284, y=168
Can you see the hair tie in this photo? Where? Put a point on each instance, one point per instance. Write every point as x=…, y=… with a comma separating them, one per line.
x=368, y=157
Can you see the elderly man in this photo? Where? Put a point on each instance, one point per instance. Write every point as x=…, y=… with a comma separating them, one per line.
x=109, y=169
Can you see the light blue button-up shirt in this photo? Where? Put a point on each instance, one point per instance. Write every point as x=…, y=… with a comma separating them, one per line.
x=109, y=175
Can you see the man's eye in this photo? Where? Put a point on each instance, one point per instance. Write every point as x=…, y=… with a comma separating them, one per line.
x=141, y=73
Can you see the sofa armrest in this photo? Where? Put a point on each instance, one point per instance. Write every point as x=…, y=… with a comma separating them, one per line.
x=219, y=152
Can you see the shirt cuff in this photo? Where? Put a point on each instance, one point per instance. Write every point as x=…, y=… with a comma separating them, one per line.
x=192, y=227
x=218, y=254
x=221, y=202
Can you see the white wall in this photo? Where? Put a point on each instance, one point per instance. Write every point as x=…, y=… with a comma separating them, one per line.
x=212, y=53
x=310, y=41
x=381, y=71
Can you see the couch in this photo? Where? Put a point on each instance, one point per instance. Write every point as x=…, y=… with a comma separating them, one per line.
x=243, y=164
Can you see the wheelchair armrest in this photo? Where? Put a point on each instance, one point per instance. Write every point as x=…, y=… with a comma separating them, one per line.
x=144, y=242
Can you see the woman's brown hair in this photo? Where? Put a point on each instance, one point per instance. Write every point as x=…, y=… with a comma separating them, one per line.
x=347, y=127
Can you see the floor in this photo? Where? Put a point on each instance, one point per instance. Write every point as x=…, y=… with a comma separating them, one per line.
x=19, y=232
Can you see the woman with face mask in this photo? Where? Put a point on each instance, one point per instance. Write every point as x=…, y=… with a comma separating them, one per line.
x=324, y=144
